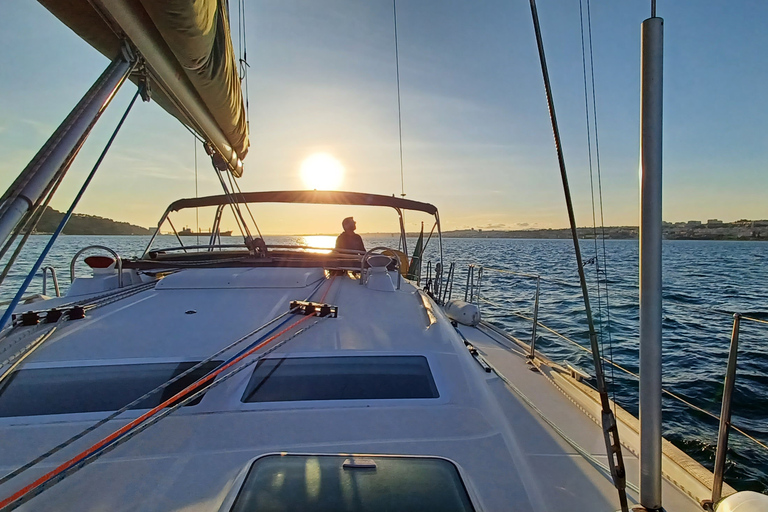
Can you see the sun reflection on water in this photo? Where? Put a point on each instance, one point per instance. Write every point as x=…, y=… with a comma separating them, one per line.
x=318, y=243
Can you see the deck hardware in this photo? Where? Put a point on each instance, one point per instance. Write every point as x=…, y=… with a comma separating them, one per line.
x=76, y=313
x=480, y=359
x=53, y=278
x=357, y=463
x=118, y=260
x=30, y=318
x=577, y=374
x=473, y=351
x=53, y=316
x=303, y=307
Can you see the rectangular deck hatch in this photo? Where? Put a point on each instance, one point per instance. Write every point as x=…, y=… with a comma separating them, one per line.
x=315, y=483
x=341, y=378
x=79, y=389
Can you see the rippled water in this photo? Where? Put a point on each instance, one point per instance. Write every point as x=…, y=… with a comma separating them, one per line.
x=704, y=281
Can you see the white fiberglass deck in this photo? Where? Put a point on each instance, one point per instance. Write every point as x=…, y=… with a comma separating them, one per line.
x=195, y=459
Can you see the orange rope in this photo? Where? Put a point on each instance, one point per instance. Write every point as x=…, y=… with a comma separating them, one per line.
x=79, y=457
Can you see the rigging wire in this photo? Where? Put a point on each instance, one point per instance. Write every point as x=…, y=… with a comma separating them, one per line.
x=144, y=421
x=610, y=430
x=149, y=418
x=197, y=210
x=161, y=387
x=636, y=376
x=236, y=213
x=399, y=109
x=27, y=226
x=247, y=207
x=65, y=219
x=601, y=271
x=600, y=194
x=32, y=217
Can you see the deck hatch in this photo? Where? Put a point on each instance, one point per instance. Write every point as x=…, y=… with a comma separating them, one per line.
x=314, y=483
x=79, y=389
x=341, y=378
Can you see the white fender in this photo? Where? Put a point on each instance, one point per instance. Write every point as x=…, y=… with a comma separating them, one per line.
x=463, y=312
x=744, y=501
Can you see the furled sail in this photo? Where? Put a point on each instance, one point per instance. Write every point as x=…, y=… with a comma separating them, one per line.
x=190, y=61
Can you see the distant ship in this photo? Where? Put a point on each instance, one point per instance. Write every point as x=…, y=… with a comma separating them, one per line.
x=189, y=232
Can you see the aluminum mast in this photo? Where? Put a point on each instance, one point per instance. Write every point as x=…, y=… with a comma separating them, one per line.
x=650, y=259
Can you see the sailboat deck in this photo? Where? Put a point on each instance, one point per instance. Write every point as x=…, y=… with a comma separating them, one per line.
x=571, y=419
x=196, y=459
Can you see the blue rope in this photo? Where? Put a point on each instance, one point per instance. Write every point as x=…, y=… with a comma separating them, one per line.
x=60, y=228
x=115, y=414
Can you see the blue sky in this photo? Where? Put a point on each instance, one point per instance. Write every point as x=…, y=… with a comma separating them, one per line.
x=476, y=136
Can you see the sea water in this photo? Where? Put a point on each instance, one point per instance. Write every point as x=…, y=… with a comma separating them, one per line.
x=704, y=283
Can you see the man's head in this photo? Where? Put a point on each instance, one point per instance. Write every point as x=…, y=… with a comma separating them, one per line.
x=349, y=224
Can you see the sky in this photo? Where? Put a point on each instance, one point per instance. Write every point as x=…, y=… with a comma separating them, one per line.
x=476, y=138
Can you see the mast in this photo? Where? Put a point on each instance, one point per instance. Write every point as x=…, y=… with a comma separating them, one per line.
x=652, y=59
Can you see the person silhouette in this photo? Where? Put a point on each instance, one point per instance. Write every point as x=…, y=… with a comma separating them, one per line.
x=349, y=239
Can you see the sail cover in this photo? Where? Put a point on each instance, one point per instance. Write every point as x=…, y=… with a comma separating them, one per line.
x=188, y=54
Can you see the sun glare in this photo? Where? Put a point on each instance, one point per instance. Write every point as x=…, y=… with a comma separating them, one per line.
x=321, y=171
x=319, y=243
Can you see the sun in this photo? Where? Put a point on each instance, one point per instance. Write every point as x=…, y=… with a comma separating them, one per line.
x=322, y=171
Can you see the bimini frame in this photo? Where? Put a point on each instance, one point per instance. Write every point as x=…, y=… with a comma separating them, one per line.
x=309, y=197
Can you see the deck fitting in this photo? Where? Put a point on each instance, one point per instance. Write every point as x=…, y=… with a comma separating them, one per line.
x=303, y=307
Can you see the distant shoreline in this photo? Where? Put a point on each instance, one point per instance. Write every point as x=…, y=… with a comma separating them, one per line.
x=741, y=230
x=484, y=235
x=726, y=233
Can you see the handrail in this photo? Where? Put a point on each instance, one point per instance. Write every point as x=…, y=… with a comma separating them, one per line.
x=532, y=276
x=720, y=418
x=754, y=319
x=203, y=246
x=53, y=278
x=104, y=248
x=448, y=289
x=725, y=413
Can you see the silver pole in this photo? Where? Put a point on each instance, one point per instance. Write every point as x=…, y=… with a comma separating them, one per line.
x=725, y=412
x=479, y=281
x=62, y=146
x=403, y=237
x=439, y=235
x=532, y=354
x=650, y=262
x=470, y=270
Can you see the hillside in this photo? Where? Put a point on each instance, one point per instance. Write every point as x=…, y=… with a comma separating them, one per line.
x=712, y=230
x=80, y=224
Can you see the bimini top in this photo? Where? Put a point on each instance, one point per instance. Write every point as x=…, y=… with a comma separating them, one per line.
x=308, y=197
